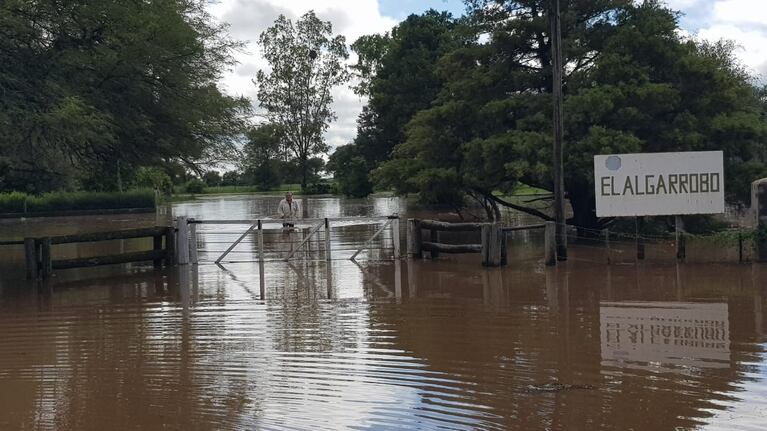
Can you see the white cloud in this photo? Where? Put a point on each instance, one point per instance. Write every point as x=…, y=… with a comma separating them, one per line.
x=248, y=18
x=741, y=21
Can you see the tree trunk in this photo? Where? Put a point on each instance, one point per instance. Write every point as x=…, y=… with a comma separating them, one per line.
x=584, y=214
x=303, y=174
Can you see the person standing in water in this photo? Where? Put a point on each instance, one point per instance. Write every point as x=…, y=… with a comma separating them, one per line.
x=289, y=210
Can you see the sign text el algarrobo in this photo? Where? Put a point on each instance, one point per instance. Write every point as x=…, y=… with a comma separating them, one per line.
x=659, y=184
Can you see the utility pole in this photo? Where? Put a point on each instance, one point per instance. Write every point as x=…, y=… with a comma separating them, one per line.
x=558, y=154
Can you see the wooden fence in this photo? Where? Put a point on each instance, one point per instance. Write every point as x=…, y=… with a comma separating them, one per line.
x=492, y=246
x=40, y=264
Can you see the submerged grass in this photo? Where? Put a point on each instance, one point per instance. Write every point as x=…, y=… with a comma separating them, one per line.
x=17, y=202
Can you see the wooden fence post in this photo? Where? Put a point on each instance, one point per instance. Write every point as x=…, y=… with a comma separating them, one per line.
x=434, y=238
x=549, y=243
x=170, y=246
x=639, y=228
x=395, y=237
x=193, y=258
x=606, y=234
x=491, y=244
x=504, y=252
x=759, y=209
x=327, y=240
x=414, y=238
x=157, y=245
x=681, y=240
x=31, y=256
x=46, y=265
x=182, y=238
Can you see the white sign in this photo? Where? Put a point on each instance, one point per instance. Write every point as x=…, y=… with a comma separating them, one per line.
x=678, y=333
x=659, y=184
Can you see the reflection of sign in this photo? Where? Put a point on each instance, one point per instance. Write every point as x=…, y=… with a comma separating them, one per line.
x=659, y=184
x=678, y=333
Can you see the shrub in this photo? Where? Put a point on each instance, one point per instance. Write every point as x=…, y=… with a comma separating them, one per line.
x=318, y=189
x=12, y=202
x=195, y=186
x=76, y=201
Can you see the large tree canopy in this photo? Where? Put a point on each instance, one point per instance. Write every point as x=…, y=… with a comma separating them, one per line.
x=632, y=85
x=89, y=86
x=306, y=63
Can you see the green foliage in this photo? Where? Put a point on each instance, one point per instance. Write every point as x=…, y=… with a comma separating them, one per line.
x=195, y=186
x=263, y=164
x=632, y=85
x=307, y=62
x=89, y=85
x=350, y=171
x=75, y=201
x=212, y=178
x=154, y=178
x=318, y=188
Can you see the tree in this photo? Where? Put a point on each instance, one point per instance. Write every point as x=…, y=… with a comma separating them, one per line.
x=397, y=72
x=633, y=85
x=264, y=156
x=91, y=88
x=350, y=171
x=306, y=64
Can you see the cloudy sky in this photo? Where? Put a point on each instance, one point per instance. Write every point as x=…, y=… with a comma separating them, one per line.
x=744, y=21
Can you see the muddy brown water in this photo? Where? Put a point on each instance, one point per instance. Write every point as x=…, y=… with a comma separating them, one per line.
x=311, y=344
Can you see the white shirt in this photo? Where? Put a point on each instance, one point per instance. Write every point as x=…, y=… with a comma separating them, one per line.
x=289, y=210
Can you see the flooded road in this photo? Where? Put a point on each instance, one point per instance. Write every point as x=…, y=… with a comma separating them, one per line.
x=442, y=344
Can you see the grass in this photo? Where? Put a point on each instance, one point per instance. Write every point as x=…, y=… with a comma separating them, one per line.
x=17, y=202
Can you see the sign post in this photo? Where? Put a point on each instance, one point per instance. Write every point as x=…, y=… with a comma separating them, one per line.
x=652, y=184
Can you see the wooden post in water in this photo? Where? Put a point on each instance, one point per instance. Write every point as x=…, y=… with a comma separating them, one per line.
x=606, y=235
x=681, y=241
x=46, y=266
x=639, y=225
x=759, y=209
x=157, y=245
x=491, y=244
x=327, y=240
x=193, y=258
x=414, y=238
x=434, y=238
x=260, y=243
x=549, y=243
x=395, y=237
x=170, y=246
x=182, y=239
x=504, y=252
x=30, y=254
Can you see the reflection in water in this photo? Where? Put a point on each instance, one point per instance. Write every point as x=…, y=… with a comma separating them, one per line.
x=444, y=344
x=679, y=333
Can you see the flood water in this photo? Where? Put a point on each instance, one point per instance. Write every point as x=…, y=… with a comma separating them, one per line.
x=378, y=344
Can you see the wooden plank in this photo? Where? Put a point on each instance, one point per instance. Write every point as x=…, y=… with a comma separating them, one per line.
x=18, y=242
x=450, y=227
x=494, y=245
x=451, y=248
x=139, y=256
x=107, y=236
x=30, y=255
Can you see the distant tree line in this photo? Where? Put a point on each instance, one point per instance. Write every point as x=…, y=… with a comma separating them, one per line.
x=459, y=110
